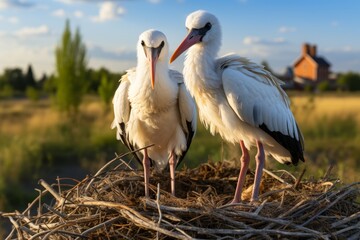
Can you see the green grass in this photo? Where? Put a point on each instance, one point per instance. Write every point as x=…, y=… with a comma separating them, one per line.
x=336, y=127
x=36, y=140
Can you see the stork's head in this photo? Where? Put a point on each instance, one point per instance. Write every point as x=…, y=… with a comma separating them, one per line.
x=203, y=28
x=152, y=47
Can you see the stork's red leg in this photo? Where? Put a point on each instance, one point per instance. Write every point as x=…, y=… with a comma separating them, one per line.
x=146, y=165
x=260, y=161
x=245, y=158
x=172, y=163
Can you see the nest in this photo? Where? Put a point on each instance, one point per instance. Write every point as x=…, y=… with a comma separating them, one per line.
x=111, y=205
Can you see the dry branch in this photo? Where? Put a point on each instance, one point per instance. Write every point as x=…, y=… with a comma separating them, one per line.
x=111, y=205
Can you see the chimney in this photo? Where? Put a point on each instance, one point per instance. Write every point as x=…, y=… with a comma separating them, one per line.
x=305, y=49
x=313, y=50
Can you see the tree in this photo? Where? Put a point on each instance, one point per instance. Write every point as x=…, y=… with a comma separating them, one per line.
x=323, y=86
x=32, y=93
x=49, y=85
x=42, y=81
x=15, y=78
x=29, y=78
x=349, y=81
x=95, y=77
x=6, y=91
x=71, y=65
x=106, y=91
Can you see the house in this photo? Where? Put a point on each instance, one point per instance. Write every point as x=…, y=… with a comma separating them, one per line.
x=309, y=68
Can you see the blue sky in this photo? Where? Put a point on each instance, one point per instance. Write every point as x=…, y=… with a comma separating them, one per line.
x=257, y=29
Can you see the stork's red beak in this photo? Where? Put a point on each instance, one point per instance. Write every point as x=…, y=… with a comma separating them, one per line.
x=192, y=38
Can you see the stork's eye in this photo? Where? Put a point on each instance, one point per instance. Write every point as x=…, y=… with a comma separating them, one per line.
x=208, y=26
x=142, y=43
x=162, y=44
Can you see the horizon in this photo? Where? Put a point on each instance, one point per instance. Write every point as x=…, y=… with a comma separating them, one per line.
x=30, y=30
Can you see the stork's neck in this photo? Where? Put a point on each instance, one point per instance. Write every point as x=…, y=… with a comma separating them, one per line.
x=141, y=94
x=199, y=69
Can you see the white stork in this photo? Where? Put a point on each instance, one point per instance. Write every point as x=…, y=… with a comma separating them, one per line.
x=152, y=106
x=238, y=99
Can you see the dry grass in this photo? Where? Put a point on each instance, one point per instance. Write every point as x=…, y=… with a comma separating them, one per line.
x=18, y=116
x=327, y=105
x=110, y=205
x=23, y=116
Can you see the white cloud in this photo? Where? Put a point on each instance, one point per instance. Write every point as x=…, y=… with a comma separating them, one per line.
x=112, y=54
x=285, y=29
x=251, y=40
x=348, y=49
x=279, y=40
x=108, y=11
x=58, y=13
x=32, y=31
x=65, y=1
x=343, y=59
x=13, y=20
x=78, y=14
x=16, y=54
x=15, y=4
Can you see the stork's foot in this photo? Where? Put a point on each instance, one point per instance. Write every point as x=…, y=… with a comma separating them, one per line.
x=255, y=202
x=233, y=202
x=242, y=202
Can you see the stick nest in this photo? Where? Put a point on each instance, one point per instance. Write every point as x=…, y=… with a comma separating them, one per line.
x=111, y=205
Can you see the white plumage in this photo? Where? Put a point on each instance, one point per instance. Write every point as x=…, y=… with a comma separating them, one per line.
x=152, y=106
x=238, y=99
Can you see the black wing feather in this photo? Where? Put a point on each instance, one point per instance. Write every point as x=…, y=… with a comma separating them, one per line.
x=126, y=142
x=189, y=139
x=295, y=147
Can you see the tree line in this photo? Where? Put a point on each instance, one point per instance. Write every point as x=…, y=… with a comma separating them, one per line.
x=16, y=80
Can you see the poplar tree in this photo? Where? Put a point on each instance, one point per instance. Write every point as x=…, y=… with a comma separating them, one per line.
x=71, y=65
x=106, y=91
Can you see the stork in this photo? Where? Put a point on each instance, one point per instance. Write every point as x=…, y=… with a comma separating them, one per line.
x=152, y=106
x=238, y=99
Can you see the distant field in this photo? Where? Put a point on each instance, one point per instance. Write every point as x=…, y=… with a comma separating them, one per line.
x=17, y=115
x=331, y=127
x=329, y=105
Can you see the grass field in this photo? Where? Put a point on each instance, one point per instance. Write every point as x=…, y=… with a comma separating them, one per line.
x=35, y=139
x=331, y=126
x=327, y=105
